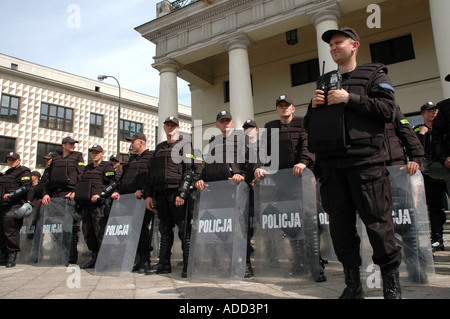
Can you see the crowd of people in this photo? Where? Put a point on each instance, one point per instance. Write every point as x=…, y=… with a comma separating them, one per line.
x=352, y=131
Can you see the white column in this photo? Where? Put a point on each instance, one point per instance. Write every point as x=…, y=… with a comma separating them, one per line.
x=325, y=19
x=241, y=99
x=440, y=13
x=168, y=94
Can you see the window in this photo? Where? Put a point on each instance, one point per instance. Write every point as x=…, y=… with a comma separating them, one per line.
x=9, y=109
x=226, y=89
x=305, y=72
x=56, y=117
x=128, y=129
x=44, y=149
x=7, y=145
x=393, y=51
x=96, y=125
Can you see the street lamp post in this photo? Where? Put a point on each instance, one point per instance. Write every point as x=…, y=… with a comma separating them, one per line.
x=101, y=78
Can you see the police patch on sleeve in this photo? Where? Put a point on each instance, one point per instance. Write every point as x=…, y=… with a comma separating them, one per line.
x=387, y=86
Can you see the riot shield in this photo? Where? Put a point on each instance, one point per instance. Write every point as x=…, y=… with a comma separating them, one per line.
x=410, y=216
x=118, y=251
x=55, y=232
x=219, y=232
x=27, y=235
x=285, y=227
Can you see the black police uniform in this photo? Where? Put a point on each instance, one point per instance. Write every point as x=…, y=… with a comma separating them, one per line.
x=404, y=145
x=134, y=177
x=94, y=181
x=64, y=173
x=440, y=150
x=353, y=168
x=18, y=181
x=168, y=179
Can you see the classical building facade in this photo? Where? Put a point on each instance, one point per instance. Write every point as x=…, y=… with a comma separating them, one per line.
x=240, y=55
x=40, y=106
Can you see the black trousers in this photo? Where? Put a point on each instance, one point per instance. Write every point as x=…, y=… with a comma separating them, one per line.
x=364, y=190
x=9, y=231
x=435, y=190
x=94, y=224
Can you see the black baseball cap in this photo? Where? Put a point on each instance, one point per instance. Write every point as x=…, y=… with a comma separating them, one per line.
x=249, y=123
x=427, y=106
x=68, y=139
x=172, y=119
x=284, y=98
x=137, y=136
x=350, y=32
x=96, y=147
x=223, y=115
x=447, y=78
x=48, y=156
x=13, y=155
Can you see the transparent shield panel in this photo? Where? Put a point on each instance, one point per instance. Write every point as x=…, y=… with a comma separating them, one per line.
x=286, y=236
x=219, y=233
x=118, y=251
x=55, y=232
x=410, y=216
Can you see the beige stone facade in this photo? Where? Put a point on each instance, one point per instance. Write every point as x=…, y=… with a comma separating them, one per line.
x=202, y=39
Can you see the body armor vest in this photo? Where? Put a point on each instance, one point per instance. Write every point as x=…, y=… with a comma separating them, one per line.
x=10, y=182
x=64, y=170
x=165, y=172
x=225, y=152
x=334, y=130
x=289, y=137
x=134, y=177
x=92, y=182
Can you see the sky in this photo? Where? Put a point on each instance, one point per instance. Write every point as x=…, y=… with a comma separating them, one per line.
x=86, y=38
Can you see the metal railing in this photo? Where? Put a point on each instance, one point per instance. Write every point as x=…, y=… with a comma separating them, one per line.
x=178, y=4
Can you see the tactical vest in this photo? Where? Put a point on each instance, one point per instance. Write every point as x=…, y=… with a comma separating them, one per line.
x=334, y=130
x=289, y=137
x=167, y=173
x=64, y=171
x=10, y=182
x=134, y=177
x=227, y=165
x=92, y=182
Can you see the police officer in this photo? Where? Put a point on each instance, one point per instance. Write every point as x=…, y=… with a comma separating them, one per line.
x=434, y=135
x=294, y=153
x=114, y=159
x=64, y=173
x=14, y=193
x=134, y=180
x=404, y=145
x=97, y=177
x=174, y=169
x=224, y=165
x=352, y=161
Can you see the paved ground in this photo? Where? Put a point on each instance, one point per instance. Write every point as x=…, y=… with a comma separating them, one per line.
x=33, y=282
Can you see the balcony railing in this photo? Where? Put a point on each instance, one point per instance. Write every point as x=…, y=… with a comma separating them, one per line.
x=178, y=4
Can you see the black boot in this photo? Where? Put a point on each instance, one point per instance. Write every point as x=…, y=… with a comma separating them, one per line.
x=354, y=288
x=391, y=284
x=3, y=258
x=145, y=264
x=91, y=263
x=11, y=260
x=186, y=243
x=163, y=266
